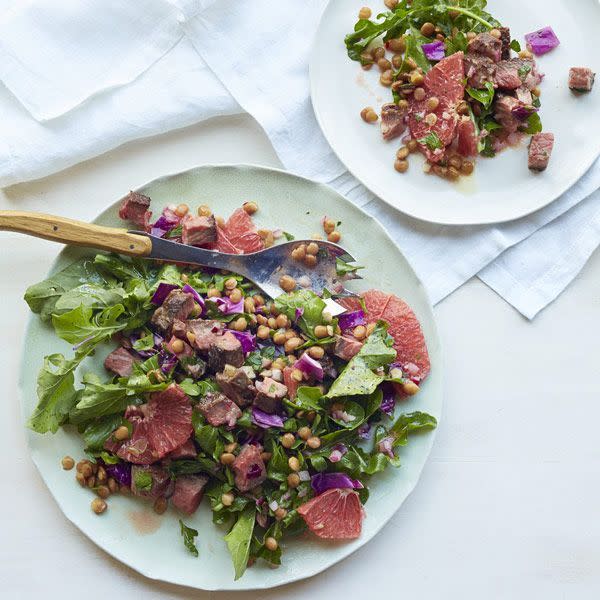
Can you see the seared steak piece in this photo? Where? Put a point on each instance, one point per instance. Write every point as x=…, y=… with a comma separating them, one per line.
x=486, y=44
x=225, y=350
x=540, y=150
x=194, y=366
x=270, y=394
x=503, y=112
x=466, y=137
x=188, y=492
x=179, y=329
x=237, y=385
x=581, y=79
x=177, y=306
x=197, y=231
x=134, y=208
x=393, y=120
x=186, y=450
x=507, y=74
x=291, y=384
x=156, y=481
x=524, y=95
x=346, y=347
x=219, y=410
x=205, y=332
x=120, y=361
x=479, y=70
x=505, y=39
x=249, y=468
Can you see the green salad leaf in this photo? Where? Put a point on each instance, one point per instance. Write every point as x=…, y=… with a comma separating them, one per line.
x=189, y=535
x=485, y=96
x=311, y=305
x=143, y=480
x=408, y=422
x=534, y=124
x=239, y=538
x=431, y=140
x=81, y=325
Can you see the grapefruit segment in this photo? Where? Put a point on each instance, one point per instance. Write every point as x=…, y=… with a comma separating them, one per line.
x=334, y=515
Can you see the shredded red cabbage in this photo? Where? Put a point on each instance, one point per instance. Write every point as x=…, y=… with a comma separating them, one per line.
x=321, y=482
x=350, y=320
x=364, y=431
x=167, y=221
x=542, y=41
x=389, y=399
x=265, y=420
x=247, y=340
x=121, y=472
x=162, y=291
x=524, y=111
x=166, y=361
x=310, y=366
x=227, y=307
x=188, y=289
x=434, y=51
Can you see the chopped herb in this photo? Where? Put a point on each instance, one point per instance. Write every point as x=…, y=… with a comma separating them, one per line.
x=189, y=536
x=175, y=232
x=485, y=96
x=514, y=45
x=431, y=140
x=288, y=236
x=143, y=481
x=524, y=71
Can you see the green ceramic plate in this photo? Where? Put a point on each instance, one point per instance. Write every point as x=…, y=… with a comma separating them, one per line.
x=151, y=544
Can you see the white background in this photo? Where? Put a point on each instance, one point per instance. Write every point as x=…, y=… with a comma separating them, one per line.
x=508, y=503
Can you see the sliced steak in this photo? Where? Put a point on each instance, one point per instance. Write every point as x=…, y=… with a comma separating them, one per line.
x=177, y=306
x=505, y=39
x=219, y=410
x=581, y=79
x=507, y=75
x=540, y=150
x=346, y=347
x=487, y=45
x=156, y=481
x=225, y=350
x=524, y=95
x=393, y=120
x=237, y=385
x=269, y=396
x=503, y=112
x=120, y=361
x=186, y=450
x=179, y=329
x=188, y=492
x=205, y=332
x=198, y=231
x=134, y=208
x=479, y=70
x=291, y=384
x=466, y=137
x=249, y=468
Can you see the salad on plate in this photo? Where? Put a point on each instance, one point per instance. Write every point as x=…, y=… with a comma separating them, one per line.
x=277, y=412
x=461, y=87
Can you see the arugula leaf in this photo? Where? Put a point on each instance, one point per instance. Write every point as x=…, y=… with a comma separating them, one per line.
x=307, y=398
x=514, y=45
x=486, y=96
x=306, y=300
x=239, y=538
x=121, y=268
x=143, y=480
x=189, y=536
x=431, y=140
x=56, y=392
x=356, y=413
x=524, y=71
x=358, y=376
x=414, y=421
x=80, y=324
x=343, y=268
x=414, y=40
x=98, y=431
x=288, y=236
x=534, y=124
x=91, y=295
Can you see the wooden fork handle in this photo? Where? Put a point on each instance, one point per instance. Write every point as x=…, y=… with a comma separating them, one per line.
x=78, y=233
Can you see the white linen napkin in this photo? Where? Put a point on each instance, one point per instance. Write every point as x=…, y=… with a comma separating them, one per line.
x=259, y=52
x=54, y=55
x=267, y=72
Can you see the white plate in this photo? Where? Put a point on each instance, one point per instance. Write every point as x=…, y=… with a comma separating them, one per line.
x=152, y=545
x=502, y=188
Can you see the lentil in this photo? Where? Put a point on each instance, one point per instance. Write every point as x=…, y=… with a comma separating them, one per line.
x=67, y=463
x=428, y=29
x=271, y=544
x=313, y=442
x=431, y=119
x=378, y=53
x=364, y=13
x=419, y=94
x=334, y=237
x=293, y=480
x=432, y=103
x=287, y=283
x=250, y=207
x=293, y=463
x=182, y=210
x=316, y=352
x=384, y=64
x=467, y=167
x=103, y=491
x=230, y=283
x=280, y=514
x=204, y=211
x=213, y=293
x=328, y=225
x=177, y=346
x=263, y=332
x=291, y=344
x=227, y=458
x=397, y=45
x=160, y=505
x=401, y=165
x=320, y=331
x=287, y=440
x=360, y=332
x=386, y=78
x=113, y=486
x=391, y=4
x=310, y=260
x=236, y=295
x=304, y=433
x=98, y=506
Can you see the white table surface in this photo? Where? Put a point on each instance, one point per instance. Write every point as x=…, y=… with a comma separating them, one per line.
x=507, y=506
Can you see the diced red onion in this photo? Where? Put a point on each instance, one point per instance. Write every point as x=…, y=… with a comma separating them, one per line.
x=337, y=452
x=523, y=112
x=304, y=475
x=273, y=505
x=434, y=51
x=310, y=366
x=162, y=291
x=167, y=221
x=385, y=446
x=388, y=402
x=350, y=320
x=542, y=41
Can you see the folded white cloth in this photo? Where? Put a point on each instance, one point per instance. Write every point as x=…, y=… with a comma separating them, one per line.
x=259, y=53
x=54, y=55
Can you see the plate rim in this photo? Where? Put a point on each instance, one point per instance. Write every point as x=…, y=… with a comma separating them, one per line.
x=434, y=339
x=312, y=62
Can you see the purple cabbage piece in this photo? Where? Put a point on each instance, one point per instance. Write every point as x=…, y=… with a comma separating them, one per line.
x=167, y=221
x=434, y=51
x=121, y=472
x=310, y=366
x=523, y=111
x=166, y=361
x=265, y=420
x=542, y=41
x=364, y=431
x=188, y=289
x=350, y=320
x=321, y=482
x=389, y=399
x=247, y=340
x=227, y=307
x=162, y=291
x=299, y=312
